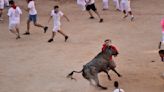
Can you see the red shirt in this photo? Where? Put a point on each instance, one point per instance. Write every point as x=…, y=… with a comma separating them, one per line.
x=112, y=47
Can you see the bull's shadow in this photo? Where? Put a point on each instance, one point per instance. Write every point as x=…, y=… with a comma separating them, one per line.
x=98, y=64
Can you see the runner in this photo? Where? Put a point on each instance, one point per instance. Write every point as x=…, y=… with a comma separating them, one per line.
x=56, y=14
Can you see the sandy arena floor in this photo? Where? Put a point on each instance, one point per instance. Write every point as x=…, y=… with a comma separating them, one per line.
x=33, y=65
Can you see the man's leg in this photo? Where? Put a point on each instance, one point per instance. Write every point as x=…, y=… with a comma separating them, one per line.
x=88, y=7
x=101, y=20
x=117, y=5
x=52, y=37
x=132, y=17
x=125, y=14
x=93, y=7
x=18, y=34
x=90, y=13
x=28, y=28
x=39, y=25
x=14, y=32
x=66, y=37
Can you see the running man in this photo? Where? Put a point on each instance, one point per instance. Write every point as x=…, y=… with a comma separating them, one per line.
x=56, y=14
x=2, y=3
x=33, y=17
x=14, y=14
x=90, y=5
x=125, y=6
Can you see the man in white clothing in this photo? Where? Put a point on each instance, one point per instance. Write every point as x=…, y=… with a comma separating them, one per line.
x=14, y=14
x=33, y=17
x=56, y=14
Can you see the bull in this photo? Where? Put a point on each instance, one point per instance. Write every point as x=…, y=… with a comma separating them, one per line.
x=98, y=64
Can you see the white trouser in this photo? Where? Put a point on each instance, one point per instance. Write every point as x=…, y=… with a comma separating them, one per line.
x=105, y=4
x=2, y=5
x=125, y=6
x=6, y=2
x=117, y=4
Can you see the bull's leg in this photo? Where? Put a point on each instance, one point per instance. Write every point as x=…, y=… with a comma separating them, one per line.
x=108, y=75
x=116, y=72
x=97, y=82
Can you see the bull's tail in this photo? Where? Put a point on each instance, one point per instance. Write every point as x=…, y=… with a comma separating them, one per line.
x=71, y=74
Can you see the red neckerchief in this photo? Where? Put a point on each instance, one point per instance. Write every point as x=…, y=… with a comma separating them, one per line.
x=14, y=6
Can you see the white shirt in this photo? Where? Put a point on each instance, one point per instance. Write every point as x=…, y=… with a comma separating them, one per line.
x=91, y=2
x=118, y=90
x=31, y=6
x=14, y=15
x=56, y=17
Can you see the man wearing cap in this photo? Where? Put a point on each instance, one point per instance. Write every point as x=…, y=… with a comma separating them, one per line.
x=107, y=43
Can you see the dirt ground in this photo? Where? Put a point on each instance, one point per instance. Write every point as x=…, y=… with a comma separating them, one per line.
x=31, y=64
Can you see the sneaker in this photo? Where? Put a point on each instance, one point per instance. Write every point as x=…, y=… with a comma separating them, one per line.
x=101, y=20
x=18, y=37
x=125, y=16
x=66, y=38
x=132, y=19
x=26, y=33
x=50, y=40
x=45, y=29
x=104, y=9
x=91, y=17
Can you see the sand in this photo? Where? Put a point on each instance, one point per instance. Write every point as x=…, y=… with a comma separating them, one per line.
x=31, y=64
